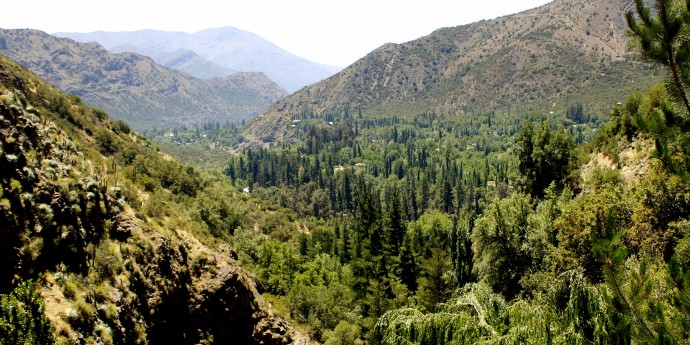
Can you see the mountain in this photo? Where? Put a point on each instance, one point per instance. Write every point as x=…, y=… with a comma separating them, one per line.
x=541, y=60
x=133, y=87
x=116, y=257
x=227, y=47
x=186, y=61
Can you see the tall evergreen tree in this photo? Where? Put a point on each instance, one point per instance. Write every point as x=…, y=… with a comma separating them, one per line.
x=661, y=38
x=435, y=283
x=395, y=226
x=461, y=251
x=408, y=265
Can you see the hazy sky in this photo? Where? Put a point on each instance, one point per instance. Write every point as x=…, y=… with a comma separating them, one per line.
x=330, y=32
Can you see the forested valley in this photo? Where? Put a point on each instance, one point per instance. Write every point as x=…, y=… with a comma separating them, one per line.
x=497, y=228
x=492, y=227
x=482, y=228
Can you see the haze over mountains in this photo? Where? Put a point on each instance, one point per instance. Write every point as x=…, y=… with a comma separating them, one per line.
x=133, y=87
x=214, y=53
x=545, y=59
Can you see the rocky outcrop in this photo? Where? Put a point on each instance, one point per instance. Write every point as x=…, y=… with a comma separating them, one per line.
x=181, y=302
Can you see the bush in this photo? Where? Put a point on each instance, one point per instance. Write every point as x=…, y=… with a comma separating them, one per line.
x=22, y=317
x=99, y=113
x=120, y=126
x=344, y=333
x=81, y=315
x=107, y=142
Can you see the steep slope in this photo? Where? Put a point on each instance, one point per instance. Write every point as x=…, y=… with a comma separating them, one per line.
x=544, y=59
x=228, y=47
x=134, y=88
x=112, y=270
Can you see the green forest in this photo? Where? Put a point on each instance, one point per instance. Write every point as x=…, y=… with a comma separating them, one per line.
x=482, y=228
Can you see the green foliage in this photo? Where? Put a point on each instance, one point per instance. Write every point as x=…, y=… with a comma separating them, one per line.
x=364, y=228
x=637, y=297
x=22, y=317
x=213, y=209
x=435, y=281
x=278, y=264
x=661, y=38
x=120, y=126
x=461, y=252
x=106, y=141
x=500, y=241
x=323, y=307
x=478, y=316
x=107, y=262
x=344, y=333
x=544, y=156
x=585, y=219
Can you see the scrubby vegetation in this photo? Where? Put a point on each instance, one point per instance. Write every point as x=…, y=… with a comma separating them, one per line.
x=117, y=236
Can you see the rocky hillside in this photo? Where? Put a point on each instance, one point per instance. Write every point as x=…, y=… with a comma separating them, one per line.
x=95, y=217
x=134, y=88
x=545, y=59
x=227, y=47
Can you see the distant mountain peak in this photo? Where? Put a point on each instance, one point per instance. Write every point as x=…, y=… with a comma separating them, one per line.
x=133, y=87
x=228, y=47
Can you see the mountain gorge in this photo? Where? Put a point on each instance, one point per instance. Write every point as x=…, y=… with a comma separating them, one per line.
x=229, y=48
x=133, y=87
x=541, y=60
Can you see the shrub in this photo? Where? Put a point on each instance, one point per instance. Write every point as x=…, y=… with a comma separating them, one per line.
x=120, y=126
x=107, y=142
x=99, y=113
x=22, y=317
x=81, y=315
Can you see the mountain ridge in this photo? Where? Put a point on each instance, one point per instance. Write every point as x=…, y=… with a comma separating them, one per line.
x=133, y=87
x=227, y=47
x=542, y=60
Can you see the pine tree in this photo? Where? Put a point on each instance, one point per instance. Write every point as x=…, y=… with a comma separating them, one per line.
x=408, y=266
x=435, y=283
x=395, y=223
x=447, y=194
x=634, y=312
x=461, y=252
x=661, y=38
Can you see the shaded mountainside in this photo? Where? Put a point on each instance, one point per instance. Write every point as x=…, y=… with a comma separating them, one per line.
x=95, y=215
x=545, y=59
x=134, y=88
x=227, y=47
